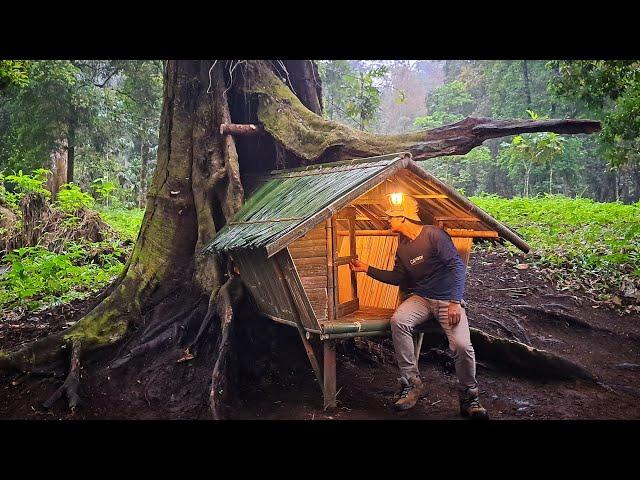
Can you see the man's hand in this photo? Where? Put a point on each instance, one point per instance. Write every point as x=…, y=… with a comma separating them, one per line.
x=358, y=266
x=454, y=313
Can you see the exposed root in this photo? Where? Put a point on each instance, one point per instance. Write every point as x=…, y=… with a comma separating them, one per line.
x=226, y=300
x=513, y=355
x=504, y=327
x=555, y=316
x=524, y=359
x=70, y=386
x=146, y=347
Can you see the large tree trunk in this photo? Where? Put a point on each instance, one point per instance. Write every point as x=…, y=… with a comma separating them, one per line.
x=71, y=149
x=171, y=303
x=58, y=168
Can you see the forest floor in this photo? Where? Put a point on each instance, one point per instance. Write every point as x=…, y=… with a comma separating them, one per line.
x=607, y=345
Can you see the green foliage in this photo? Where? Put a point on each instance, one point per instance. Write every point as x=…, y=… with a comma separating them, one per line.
x=40, y=279
x=34, y=183
x=452, y=98
x=13, y=72
x=610, y=91
x=125, y=222
x=581, y=243
x=351, y=95
x=104, y=189
x=71, y=198
x=437, y=119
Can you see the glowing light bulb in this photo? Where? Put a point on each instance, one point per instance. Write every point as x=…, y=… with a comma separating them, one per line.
x=396, y=198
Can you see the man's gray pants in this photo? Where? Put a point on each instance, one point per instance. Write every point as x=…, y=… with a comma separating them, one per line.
x=416, y=310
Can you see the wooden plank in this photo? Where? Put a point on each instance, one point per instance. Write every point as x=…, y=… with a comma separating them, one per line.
x=369, y=233
x=457, y=219
x=329, y=360
x=297, y=294
x=313, y=270
x=319, y=281
x=348, y=307
x=504, y=231
x=345, y=260
x=305, y=315
x=305, y=242
x=461, y=232
x=302, y=263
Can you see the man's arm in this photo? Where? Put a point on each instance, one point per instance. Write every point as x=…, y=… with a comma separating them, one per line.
x=392, y=277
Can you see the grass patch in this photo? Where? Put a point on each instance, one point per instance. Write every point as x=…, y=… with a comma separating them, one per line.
x=124, y=221
x=584, y=244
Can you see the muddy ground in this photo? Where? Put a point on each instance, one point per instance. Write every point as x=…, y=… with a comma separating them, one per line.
x=604, y=340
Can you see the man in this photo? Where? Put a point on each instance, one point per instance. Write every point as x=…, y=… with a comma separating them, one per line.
x=429, y=267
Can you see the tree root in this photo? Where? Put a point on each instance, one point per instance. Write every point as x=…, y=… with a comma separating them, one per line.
x=526, y=360
x=560, y=317
x=70, y=386
x=145, y=347
x=226, y=300
x=521, y=336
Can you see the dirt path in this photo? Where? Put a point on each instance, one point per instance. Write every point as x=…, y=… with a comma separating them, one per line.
x=607, y=344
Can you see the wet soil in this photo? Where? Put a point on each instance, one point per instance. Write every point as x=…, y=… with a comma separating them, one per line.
x=605, y=340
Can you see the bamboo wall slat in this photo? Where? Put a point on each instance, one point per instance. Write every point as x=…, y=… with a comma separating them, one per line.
x=309, y=254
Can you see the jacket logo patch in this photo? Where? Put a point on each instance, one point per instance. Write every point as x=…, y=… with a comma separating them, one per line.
x=416, y=260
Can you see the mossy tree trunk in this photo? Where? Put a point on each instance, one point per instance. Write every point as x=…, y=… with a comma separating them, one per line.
x=174, y=302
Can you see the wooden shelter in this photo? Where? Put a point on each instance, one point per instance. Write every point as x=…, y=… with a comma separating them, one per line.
x=293, y=239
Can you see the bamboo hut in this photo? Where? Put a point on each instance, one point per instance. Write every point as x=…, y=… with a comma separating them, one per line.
x=294, y=237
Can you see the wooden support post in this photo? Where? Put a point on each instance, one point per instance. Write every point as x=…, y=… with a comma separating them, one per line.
x=333, y=266
x=331, y=290
x=352, y=249
x=329, y=374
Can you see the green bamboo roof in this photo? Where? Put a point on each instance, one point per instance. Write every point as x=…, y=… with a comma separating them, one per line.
x=290, y=197
x=291, y=202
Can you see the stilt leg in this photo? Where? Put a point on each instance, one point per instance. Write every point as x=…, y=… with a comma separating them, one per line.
x=329, y=374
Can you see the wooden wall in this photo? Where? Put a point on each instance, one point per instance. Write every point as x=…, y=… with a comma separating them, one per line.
x=267, y=286
x=309, y=255
x=380, y=252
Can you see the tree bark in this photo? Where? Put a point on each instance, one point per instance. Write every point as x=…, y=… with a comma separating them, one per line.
x=58, y=175
x=71, y=150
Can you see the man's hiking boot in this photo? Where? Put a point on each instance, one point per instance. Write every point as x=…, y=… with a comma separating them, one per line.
x=470, y=406
x=412, y=390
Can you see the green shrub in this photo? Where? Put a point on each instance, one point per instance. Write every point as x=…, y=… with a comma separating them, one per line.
x=71, y=198
x=34, y=183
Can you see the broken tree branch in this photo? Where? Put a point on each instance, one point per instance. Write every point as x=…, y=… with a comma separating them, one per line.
x=316, y=140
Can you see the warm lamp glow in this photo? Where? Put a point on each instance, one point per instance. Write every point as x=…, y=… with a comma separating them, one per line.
x=396, y=198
